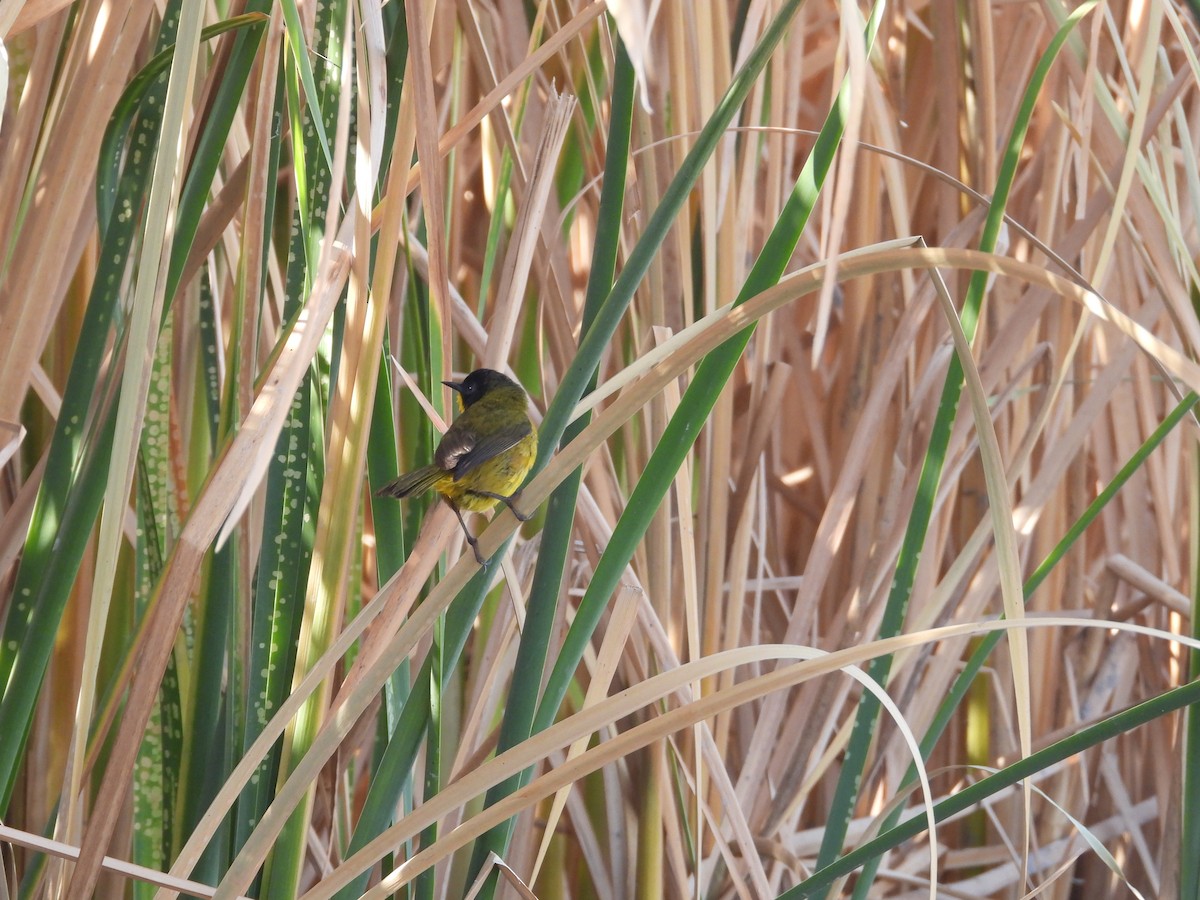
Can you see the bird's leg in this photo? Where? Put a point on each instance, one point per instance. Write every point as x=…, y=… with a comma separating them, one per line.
x=470, y=537
x=509, y=501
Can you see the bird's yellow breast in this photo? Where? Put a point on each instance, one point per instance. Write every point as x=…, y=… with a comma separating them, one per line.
x=502, y=474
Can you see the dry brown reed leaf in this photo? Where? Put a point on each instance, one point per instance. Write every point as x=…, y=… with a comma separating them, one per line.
x=527, y=230
x=11, y=435
x=432, y=198
x=110, y=864
x=479, y=734
x=495, y=863
x=217, y=217
x=403, y=590
x=98, y=62
x=481, y=50
x=1007, y=562
x=253, y=200
x=18, y=15
x=1128, y=570
x=15, y=522
x=635, y=21
x=624, y=613
x=20, y=139
x=839, y=197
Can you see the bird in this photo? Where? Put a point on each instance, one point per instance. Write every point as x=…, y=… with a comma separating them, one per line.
x=484, y=455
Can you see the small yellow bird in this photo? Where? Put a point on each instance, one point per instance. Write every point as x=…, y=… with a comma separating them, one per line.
x=484, y=455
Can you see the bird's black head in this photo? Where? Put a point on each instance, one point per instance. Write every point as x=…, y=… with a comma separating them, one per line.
x=472, y=388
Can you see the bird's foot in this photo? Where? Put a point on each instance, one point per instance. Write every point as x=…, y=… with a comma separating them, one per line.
x=510, y=502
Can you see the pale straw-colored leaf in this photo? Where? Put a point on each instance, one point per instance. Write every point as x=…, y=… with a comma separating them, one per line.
x=109, y=864
x=1000, y=507
x=527, y=231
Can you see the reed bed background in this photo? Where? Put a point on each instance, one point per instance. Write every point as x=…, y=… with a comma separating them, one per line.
x=861, y=341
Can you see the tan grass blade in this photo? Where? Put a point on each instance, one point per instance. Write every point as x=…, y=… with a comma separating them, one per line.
x=623, y=616
x=20, y=15
x=11, y=436
x=528, y=230
x=110, y=864
x=1000, y=507
x=843, y=187
x=495, y=863
x=1151, y=30
x=635, y=21
x=30, y=293
x=432, y=198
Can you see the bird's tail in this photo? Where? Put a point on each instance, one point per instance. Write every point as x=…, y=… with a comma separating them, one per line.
x=417, y=481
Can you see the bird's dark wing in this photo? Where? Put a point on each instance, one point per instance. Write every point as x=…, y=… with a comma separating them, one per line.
x=462, y=450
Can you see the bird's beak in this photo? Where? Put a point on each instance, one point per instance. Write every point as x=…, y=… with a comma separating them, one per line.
x=455, y=386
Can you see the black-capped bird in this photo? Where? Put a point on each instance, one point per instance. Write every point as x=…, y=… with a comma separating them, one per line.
x=484, y=455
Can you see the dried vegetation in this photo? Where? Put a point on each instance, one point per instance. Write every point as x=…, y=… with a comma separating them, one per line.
x=197, y=397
